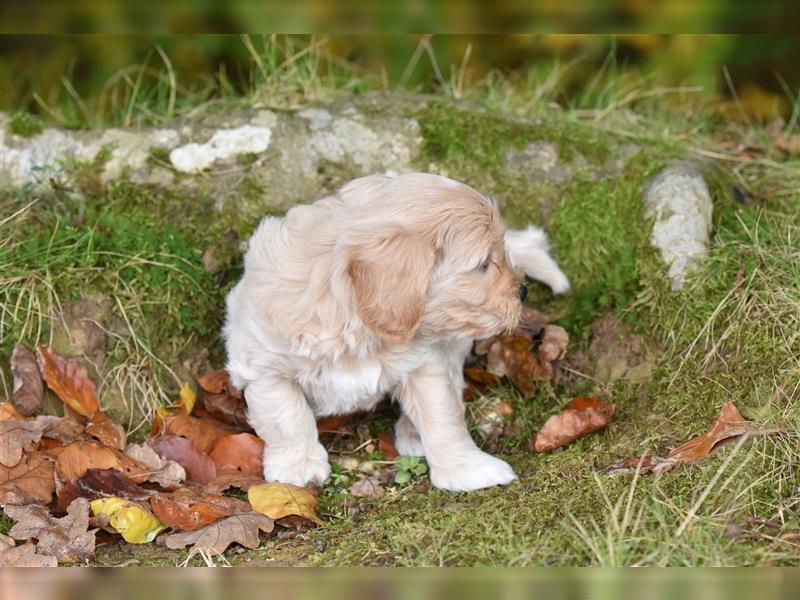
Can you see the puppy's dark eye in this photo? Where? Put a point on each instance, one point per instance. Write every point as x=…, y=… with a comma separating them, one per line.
x=484, y=265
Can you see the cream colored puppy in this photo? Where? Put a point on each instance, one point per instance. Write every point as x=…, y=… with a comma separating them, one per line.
x=379, y=289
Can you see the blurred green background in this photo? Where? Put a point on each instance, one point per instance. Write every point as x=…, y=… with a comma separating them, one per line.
x=79, y=79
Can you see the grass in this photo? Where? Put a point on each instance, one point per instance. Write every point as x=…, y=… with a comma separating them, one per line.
x=733, y=332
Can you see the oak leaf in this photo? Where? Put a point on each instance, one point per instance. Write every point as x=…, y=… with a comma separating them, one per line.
x=16, y=437
x=76, y=458
x=278, y=500
x=68, y=538
x=25, y=555
x=216, y=537
x=100, y=483
x=166, y=473
x=204, y=433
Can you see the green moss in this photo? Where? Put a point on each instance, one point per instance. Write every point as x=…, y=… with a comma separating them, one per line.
x=25, y=125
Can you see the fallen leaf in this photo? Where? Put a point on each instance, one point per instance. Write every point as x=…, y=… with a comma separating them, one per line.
x=278, y=500
x=217, y=382
x=7, y=411
x=386, y=444
x=6, y=542
x=187, y=398
x=187, y=509
x=25, y=556
x=231, y=479
x=100, y=483
x=104, y=429
x=491, y=417
x=63, y=429
x=16, y=437
x=580, y=417
x=242, y=452
x=369, y=487
x=166, y=473
x=68, y=538
x=28, y=482
x=134, y=523
x=199, y=467
x=28, y=388
x=76, y=458
x=216, y=537
x=333, y=424
x=202, y=432
x=68, y=379
x=729, y=424
x=554, y=343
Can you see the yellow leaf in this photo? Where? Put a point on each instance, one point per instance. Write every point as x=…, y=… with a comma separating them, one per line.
x=278, y=500
x=188, y=398
x=136, y=525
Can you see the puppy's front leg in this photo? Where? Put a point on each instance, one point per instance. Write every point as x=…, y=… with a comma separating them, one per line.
x=278, y=411
x=431, y=401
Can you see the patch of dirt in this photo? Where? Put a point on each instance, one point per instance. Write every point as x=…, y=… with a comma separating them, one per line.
x=615, y=352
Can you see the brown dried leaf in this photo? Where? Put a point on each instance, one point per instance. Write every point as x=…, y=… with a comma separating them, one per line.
x=580, y=417
x=203, y=433
x=226, y=408
x=215, y=538
x=386, y=444
x=199, y=467
x=218, y=382
x=63, y=429
x=25, y=556
x=553, y=344
x=28, y=388
x=16, y=437
x=368, y=487
x=104, y=429
x=188, y=509
x=164, y=472
x=30, y=481
x=231, y=479
x=729, y=424
x=68, y=538
x=68, y=379
x=241, y=452
x=76, y=458
x=100, y=483
x=333, y=424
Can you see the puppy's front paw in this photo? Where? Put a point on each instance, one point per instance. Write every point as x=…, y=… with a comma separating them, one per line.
x=479, y=470
x=296, y=467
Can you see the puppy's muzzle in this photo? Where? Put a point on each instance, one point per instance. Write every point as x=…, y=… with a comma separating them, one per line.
x=523, y=292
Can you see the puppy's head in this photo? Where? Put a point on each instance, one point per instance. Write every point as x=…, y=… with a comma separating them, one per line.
x=434, y=264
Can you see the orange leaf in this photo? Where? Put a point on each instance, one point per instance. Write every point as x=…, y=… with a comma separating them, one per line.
x=580, y=417
x=204, y=433
x=29, y=481
x=187, y=509
x=333, y=424
x=68, y=379
x=102, y=428
x=76, y=458
x=239, y=452
x=386, y=444
x=729, y=424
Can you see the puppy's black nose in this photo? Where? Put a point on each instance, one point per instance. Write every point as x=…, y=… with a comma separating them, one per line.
x=523, y=292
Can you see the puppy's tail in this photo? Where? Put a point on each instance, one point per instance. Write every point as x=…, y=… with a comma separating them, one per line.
x=528, y=249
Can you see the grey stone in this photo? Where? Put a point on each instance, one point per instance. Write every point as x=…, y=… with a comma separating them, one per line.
x=679, y=201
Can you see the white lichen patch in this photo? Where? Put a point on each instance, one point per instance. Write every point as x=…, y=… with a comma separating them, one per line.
x=679, y=201
x=341, y=139
x=225, y=143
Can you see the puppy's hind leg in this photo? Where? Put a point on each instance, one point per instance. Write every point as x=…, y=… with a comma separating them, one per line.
x=278, y=411
x=406, y=438
x=528, y=249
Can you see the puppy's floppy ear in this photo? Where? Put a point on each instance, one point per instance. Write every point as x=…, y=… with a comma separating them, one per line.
x=390, y=275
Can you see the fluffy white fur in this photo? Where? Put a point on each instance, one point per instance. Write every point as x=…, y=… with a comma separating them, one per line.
x=379, y=289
